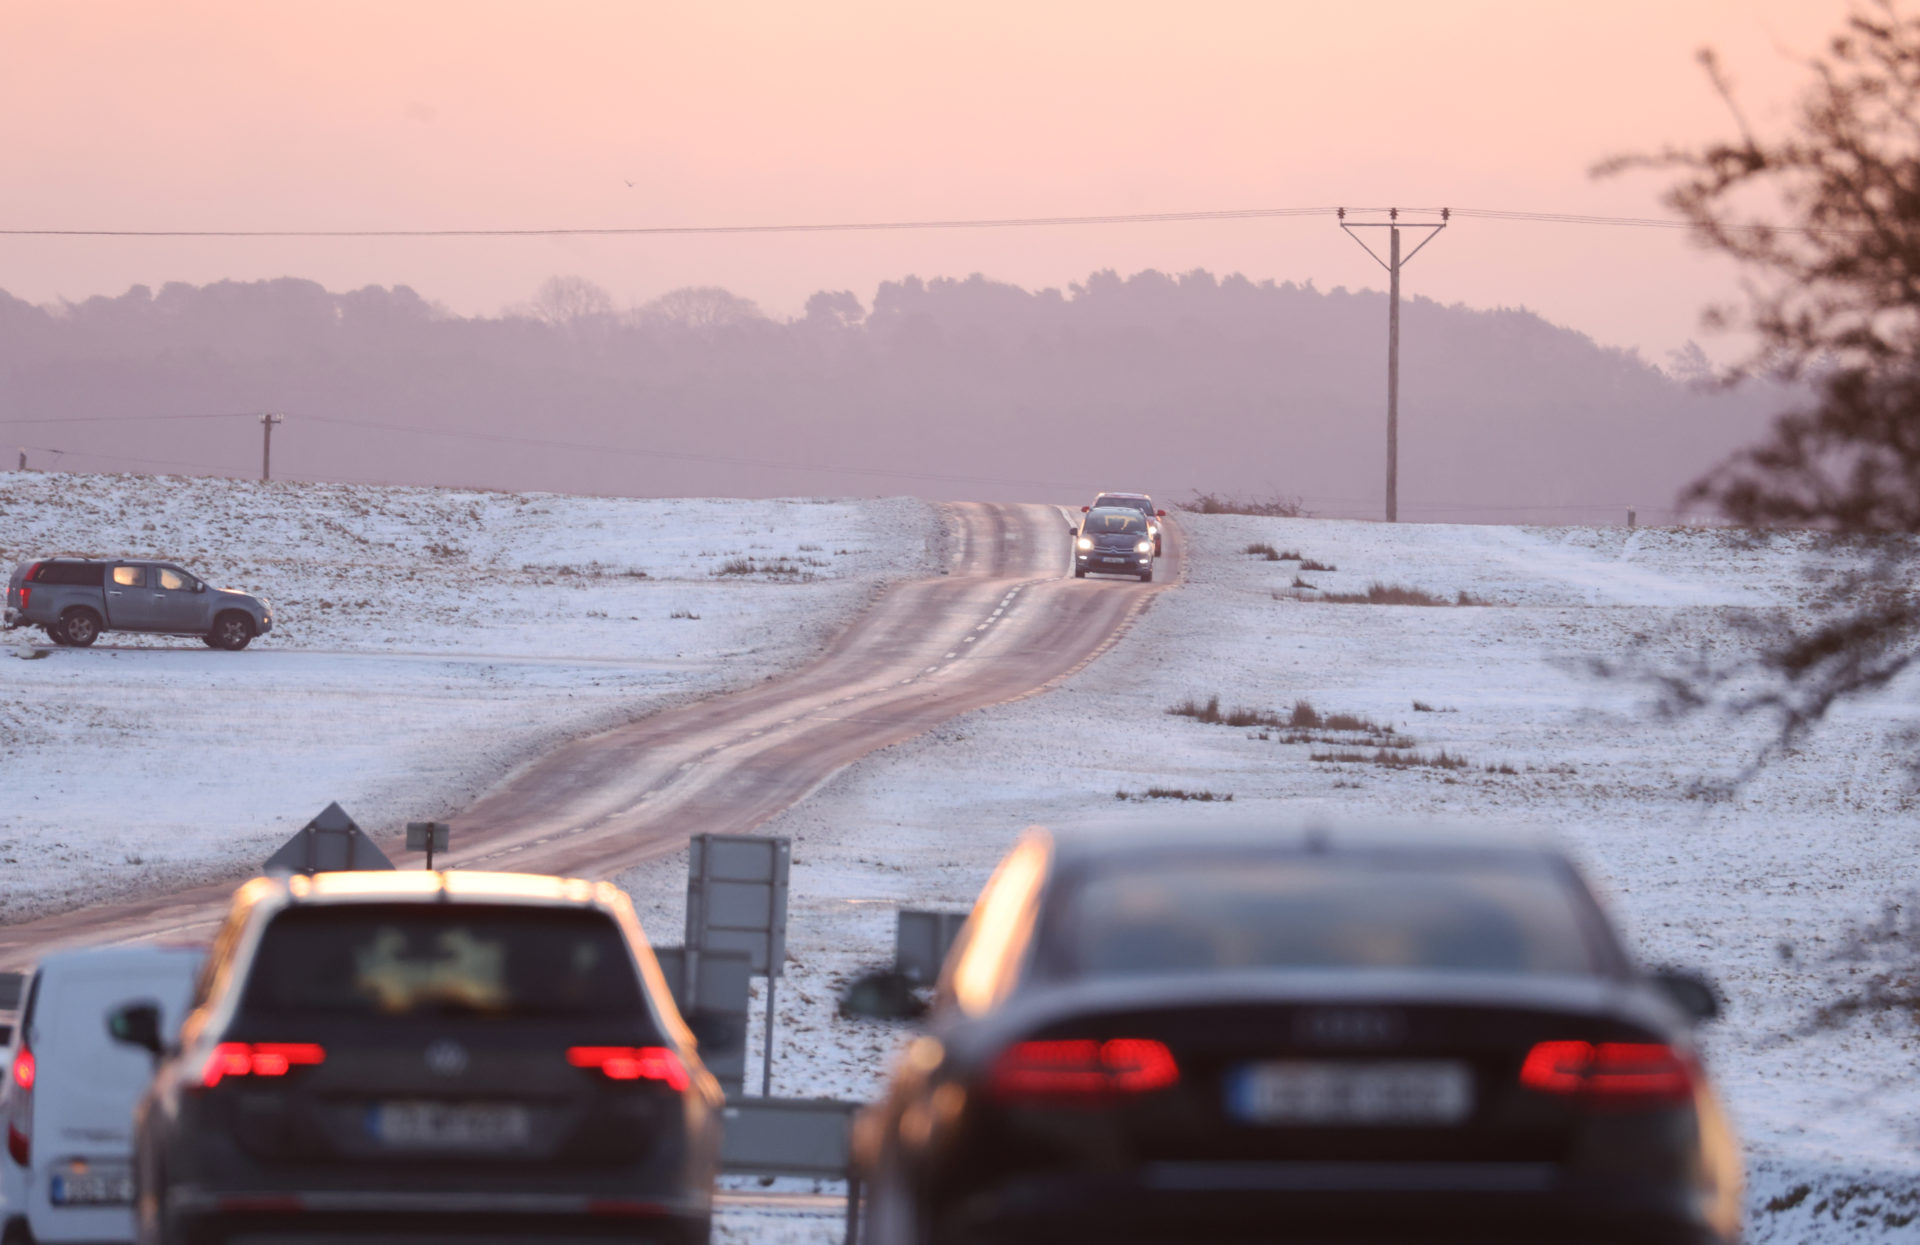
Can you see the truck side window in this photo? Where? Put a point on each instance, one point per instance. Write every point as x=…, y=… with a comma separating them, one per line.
x=174, y=581
x=130, y=576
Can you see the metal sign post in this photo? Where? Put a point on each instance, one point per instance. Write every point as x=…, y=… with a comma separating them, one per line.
x=737, y=901
x=428, y=837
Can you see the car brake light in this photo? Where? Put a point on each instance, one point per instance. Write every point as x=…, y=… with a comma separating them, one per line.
x=1084, y=1069
x=1610, y=1074
x=20, y=1117
x=23, y=1069
x=258, y=1059
x=633, y=1063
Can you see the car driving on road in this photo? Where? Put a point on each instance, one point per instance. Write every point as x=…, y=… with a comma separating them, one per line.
x=1133, y=501
x=67, y=1110
x=1113, y=541
x=75, y=600
x=464, y=1054
x=1184, y=1033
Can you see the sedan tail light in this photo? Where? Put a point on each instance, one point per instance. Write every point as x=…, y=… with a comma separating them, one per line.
x=230, y=1059
x=633, y=1063
x=1083, y=1070
x=1610, y=1075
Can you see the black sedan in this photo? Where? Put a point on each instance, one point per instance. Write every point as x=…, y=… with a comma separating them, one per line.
x=1242, y=1034
x=461, y=1055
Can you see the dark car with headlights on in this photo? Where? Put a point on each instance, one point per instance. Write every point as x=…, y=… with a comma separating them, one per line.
x=1207, y=1032
x=1113, y=540
x=470, y=1056
x=1134, y=501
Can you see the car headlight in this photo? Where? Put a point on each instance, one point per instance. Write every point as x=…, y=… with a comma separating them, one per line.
x=1085, y=542
x=1145, y=546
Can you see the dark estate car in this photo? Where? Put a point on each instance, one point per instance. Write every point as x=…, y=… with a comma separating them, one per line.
x=75, y=600
x=1237, y=1034
x=1133, y=501
x=1113, y=541
x=466, y=1055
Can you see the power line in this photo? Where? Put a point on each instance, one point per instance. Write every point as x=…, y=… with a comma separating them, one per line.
x=999, y=222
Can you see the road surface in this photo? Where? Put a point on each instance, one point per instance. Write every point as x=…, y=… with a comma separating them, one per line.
x=1008, y=620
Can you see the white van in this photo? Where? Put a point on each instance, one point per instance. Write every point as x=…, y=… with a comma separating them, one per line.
x=71, y=1090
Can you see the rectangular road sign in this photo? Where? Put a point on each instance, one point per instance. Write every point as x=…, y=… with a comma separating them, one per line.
x=428, y=836
x=737, y=897
x=715, y=1009
x=789, y=1137
x=921, y=941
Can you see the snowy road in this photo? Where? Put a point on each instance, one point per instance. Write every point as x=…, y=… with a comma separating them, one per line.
x=1008, y=620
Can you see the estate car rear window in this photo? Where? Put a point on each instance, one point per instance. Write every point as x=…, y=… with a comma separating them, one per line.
x=400, y=960
x=1512, y=915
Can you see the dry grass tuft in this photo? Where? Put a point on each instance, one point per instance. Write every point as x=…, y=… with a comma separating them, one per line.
x=1402, y=759
x=1223, y=503
x=1174, y=793
x=1381, y=594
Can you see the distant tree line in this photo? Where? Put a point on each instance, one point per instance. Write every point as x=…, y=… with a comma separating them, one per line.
x=942, y=388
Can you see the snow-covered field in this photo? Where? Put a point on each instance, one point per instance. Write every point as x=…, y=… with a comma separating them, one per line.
x=1788, y=891
x=426, y=641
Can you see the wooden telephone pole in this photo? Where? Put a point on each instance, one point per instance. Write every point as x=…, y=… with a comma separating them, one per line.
x=266, y=444
x=1393, y=263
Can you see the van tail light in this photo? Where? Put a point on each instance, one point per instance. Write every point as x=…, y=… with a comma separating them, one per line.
x=20, y=1116
x=231, y=1059
x=633, y=1063
x=1083, y=1070
x=1611, y=1075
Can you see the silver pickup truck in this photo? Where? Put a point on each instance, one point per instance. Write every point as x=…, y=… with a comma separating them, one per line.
x=73, y=600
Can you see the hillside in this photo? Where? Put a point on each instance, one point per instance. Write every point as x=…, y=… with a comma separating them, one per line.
x=941, y=388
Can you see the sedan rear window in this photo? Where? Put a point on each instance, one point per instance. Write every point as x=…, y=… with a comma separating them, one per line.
x=1513, y=915
x=374, y=960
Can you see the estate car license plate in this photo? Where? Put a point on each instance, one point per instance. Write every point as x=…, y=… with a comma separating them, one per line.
x=1334, y=1094
x=448, y=1126
x=94, y=1184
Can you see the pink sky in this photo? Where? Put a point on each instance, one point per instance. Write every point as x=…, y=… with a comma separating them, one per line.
x=459, y=113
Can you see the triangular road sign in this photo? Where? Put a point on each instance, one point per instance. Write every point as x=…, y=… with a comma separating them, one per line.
x=330, y=843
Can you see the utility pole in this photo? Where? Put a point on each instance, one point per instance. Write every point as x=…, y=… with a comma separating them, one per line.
x=1393, y=263
x=266, y=445
x=23, y=458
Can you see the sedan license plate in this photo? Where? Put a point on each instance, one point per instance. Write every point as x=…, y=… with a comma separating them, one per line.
x=1327, y=1094
x=448, y=1126
x=97, y=1184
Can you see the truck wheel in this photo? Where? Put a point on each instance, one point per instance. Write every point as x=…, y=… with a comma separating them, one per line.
x=80, y=626
x=231, y=631
x=56, y=633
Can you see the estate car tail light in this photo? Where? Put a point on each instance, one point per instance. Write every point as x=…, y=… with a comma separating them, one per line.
x=1083, y=1070
x=230, y=1059
x=20, y=1115
x=1619, y=1075
x=633, y=1063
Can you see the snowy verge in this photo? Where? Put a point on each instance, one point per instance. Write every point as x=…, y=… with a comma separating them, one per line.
x=1790, y=891
x=426, y=642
